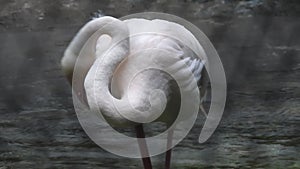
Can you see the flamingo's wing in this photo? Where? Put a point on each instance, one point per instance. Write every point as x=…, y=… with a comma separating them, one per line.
x=201, y=75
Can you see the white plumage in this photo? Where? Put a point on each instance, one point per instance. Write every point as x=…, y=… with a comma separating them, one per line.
x=109, y=75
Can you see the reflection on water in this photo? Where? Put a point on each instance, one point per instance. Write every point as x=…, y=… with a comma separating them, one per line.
x=252, y=135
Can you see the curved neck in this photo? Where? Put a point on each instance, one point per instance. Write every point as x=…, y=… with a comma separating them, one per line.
x=97, y=81
x=73, y=50
x=85, y=33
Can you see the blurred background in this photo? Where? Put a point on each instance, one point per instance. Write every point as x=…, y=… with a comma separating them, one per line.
x=258, y=43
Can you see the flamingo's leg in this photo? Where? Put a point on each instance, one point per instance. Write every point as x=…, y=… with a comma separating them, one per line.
x=143, y=147
x=169, y=152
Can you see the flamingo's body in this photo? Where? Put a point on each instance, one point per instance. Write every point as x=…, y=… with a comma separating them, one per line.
x=112, y=80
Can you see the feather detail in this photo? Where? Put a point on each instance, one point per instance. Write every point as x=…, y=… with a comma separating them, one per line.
x=196, y=66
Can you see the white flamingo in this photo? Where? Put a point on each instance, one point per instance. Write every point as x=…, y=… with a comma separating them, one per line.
x=113, y=67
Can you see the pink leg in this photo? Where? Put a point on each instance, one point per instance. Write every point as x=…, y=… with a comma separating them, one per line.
x=143, y=147
x=169, y=152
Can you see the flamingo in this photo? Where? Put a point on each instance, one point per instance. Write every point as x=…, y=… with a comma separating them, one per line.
x=117, y=68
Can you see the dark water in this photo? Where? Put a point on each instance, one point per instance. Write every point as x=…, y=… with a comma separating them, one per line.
x=258, y=44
